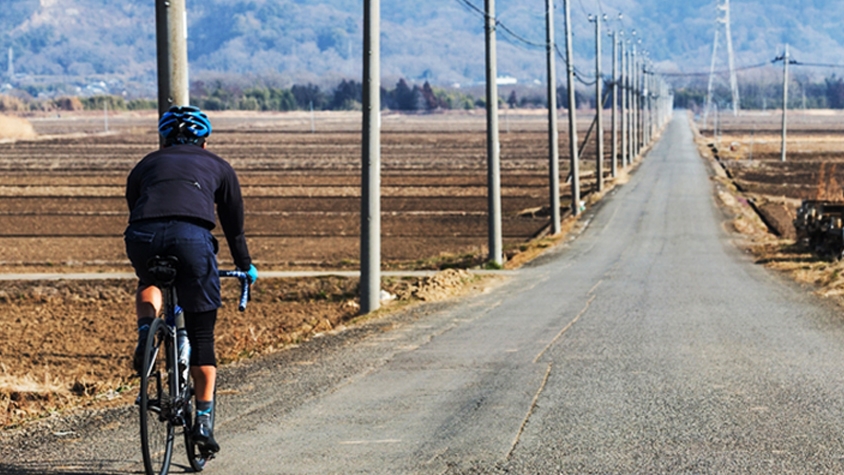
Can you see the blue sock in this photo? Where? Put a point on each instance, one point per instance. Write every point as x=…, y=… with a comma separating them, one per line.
x=204, y=408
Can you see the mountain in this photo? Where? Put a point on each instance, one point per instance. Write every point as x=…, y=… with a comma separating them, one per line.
x=442, y=41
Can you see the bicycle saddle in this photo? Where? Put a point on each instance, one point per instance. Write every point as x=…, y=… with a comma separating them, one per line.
x=163, y=270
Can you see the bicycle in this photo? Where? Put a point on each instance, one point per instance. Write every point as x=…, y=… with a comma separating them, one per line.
x=166, y=390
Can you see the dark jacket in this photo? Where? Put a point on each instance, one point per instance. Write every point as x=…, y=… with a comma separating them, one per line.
x=186, y=181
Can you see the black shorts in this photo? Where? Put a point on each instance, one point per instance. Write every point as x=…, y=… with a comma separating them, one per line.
x=197, y=281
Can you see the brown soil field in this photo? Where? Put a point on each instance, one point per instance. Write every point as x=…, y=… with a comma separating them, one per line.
x=749, y=149
x=62, y=207
x=67, y=343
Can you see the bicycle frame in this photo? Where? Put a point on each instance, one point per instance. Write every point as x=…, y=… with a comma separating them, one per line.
x=169, y=303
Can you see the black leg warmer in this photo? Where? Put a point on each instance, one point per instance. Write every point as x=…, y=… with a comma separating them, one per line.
x=200, y=327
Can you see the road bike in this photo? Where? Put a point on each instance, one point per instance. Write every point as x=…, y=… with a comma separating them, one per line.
x=165, y=399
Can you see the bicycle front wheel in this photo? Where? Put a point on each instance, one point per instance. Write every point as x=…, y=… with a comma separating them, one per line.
x=157, y=431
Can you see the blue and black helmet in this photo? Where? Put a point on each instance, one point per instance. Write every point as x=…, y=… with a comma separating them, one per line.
x=184, y=125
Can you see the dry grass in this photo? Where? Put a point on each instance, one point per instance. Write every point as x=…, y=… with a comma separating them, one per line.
x=29, y=385
x=15, y=128
x=781, y=255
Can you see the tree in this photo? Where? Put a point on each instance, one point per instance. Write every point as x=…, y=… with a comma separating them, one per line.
x=835, y=92
x=347, y=96
x=307, y=95
x=512, y=101
x=430, y=99
x=403, y=97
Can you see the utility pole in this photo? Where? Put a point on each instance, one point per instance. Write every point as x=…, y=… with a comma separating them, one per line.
x=624, y=105
x=370, y=226
x=493, y=147
x=785, y=61
x=645, y=103
x=172, y=50
x=553, y=134
x=634, y=105
x=614, y=104
x=599, y=106
x=575, y=168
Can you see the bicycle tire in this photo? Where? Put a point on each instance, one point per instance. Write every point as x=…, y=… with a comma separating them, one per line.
x=157, y=431
x=196, y=458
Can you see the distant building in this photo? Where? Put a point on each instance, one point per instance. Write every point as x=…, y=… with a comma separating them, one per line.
x=506, y=81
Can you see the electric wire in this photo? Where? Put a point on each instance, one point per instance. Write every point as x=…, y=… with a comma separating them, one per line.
x=818, y=65
x=504, y=28
x=586, y=80
x=722, y=71
x=583, y=8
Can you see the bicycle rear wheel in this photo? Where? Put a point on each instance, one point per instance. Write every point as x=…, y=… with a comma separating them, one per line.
x=197, y=458
x=157, y=431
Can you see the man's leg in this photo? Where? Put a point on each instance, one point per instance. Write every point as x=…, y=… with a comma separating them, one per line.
x=205, y=379
x=148, y=301
x=200, y=327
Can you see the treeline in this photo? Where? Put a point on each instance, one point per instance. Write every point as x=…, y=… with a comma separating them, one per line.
x=73, y=103
x=348, y=95
x=828, y=94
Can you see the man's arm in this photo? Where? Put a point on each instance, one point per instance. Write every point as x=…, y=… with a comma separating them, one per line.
x=133, y=191
x=230, y=209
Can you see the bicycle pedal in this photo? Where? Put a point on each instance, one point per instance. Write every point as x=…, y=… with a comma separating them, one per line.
x=207, y=455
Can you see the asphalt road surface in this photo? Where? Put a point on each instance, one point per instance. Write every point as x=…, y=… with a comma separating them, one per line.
x=649, y=344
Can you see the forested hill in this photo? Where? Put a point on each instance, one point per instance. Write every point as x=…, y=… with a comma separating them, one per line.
x=438, y=40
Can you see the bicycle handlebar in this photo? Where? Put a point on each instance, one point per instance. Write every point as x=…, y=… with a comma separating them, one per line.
x=244, y=285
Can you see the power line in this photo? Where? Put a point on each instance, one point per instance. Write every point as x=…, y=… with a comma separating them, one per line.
x=818, y=65
x=583, y=8
x=518, y=37
x=472, y=7
x=501, y=25
x=600, y=7
x=577, y=74
x=723, y=71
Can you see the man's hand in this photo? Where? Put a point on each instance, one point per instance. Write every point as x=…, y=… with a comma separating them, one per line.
x=252, y=273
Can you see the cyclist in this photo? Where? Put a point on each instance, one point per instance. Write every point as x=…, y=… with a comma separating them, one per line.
x=171, y=195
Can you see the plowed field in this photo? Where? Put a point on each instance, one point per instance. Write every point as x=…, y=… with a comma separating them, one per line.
x=750, y=145
x=61, y=199
x=65, y=343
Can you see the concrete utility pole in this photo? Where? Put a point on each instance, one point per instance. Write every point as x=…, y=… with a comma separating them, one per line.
x=643, y=105
x=614, y=151
x=370, y=226
x=634, y=105
x=599, y=106
x=785, y=60
x=575, y=167
x=493, y=147
x=553, y=134
x=625, y=110
x=171, y=27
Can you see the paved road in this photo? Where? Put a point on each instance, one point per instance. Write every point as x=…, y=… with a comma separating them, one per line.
x=650, y=344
